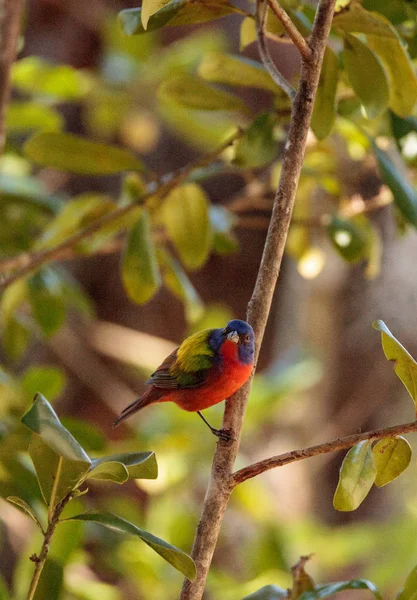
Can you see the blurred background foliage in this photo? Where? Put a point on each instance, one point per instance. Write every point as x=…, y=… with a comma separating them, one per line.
x=97, y=120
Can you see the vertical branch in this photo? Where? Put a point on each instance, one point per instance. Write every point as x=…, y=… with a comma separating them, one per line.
x=10, y=13
x=221, y=480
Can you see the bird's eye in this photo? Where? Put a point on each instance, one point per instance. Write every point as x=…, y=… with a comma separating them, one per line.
x=226, y=330
x=246, y=339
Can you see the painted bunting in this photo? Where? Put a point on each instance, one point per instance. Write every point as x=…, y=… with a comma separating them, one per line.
x=207, y=368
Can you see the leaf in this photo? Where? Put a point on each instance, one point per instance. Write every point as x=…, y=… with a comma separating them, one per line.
x=75, y=154
x=268, y=592
x=49, y=465
x=405, y=196
x=149, y=8
x=13, y=296
x=192, y=92
x=42, y=419
x=25, y=116
x=248, y=29
x=355, y=18
x=176, y=12
x=349, y=240
x=177, y=558
x=235, y=70
x=357, y=475
x=110, y=470
x=410, y=587
x=185, y=214
x=139, y=465
x=177, y=281
x=257, y=146
x=405, y=365
x=46, y=300
x=328, y=589
x=324, y=111
x=26, y=508
x=222, y=221
x=50, y=380
x=16, y=336
x=366, y=75
x=401, y=74
x=391, y=456
x=140, y=273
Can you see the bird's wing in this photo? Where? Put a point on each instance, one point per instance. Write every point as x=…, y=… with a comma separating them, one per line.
x=188, y=366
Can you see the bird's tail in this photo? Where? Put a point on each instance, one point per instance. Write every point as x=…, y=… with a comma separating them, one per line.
x=149, y=397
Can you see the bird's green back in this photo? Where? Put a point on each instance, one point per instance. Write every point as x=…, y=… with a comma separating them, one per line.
x=193, y=356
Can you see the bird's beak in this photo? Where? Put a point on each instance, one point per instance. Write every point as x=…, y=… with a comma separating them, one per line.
x=233, y=336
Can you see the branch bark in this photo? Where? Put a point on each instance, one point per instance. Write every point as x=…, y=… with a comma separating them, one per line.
x=340, y=444
x=290, y=28
x=10, y=13
x=221, y=481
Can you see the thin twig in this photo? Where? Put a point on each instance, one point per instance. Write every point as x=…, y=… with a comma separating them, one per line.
x=290, y=28
x=221, y=481
x=10, y=15
x=260, y=17
x=168, y=184
x=340, y=444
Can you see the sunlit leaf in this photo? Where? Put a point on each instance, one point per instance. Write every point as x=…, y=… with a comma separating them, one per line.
x=328, y=589
x=391, y=456
x=349, y=240
x=46, y=300
x=75, y=154
x=186, y=218
x=12, y=298
x=192, y=92
x=405, y=365
x=410, y=587
x=24, y=116
x=42, y=419
x=355, y=18
x=140, y=273
x=235, y=70
x=26, y=508
x=366, y=75
x=109, y=470
x=177, y=558
x=16, y=336
x=268, y=592
x=257, y=146
x=176, y=12
x=357, y=475
x=405, y=196
x=324, y=111
x=139, y=465
x=248, y=29
x=149, y=8
x=51, y=380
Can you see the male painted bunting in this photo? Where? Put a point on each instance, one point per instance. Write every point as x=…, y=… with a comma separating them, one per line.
x=207, y=368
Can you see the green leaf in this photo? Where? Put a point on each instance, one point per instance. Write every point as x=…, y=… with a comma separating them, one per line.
x=402, y=127
x=324, y=111
x=139, y=465
x=405, y=365
x=140, y=273
x=268, y=592
x=50, y=380
x=401, y=74
x=391, y=456
x=16, y=336
x=366, y=75
x=177, y=281
x=177, y=558
x=192, y=92
x=349, y=240
x=108, y=471
x=149, y=8
x=410, y=587
x=50, y=467
x=4, y=592
x=328, y=589
x=405, y=196
x=355, y=18
x=257, y=146
x=186, y=217
x=42, y=419
x=75, y=154
x=25, y=116
x=26, y=508
x=176, y=12
x=357, y=475
x=11, y=299
x=222, y=221
x=46, y=300
x=235, y=70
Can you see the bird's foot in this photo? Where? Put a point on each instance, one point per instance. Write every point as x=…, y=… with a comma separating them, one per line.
x=223, y=434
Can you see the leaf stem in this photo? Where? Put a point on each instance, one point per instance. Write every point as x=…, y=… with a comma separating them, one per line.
x=54, y=489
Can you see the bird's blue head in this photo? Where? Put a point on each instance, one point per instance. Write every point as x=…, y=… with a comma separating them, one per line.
x=239, y=332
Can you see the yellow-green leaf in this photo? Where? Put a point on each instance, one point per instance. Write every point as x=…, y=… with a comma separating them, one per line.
x=75, y=154
x=140, y=273
x=366, y=75
x=257, y=146
x=47, y=301
x=110, y=470
x=192, y=92
x=356, y=18
x=409, y=592
x=357, y=475
x=405, y=365
x=324, y=111
x=149, y=8
x=401, y=73
x=23, y=116
x=235, y=70
x=391, y=456
x=23, y=505
x=186, y=217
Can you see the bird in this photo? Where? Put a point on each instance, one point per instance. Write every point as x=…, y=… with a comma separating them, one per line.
x=207, y=368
